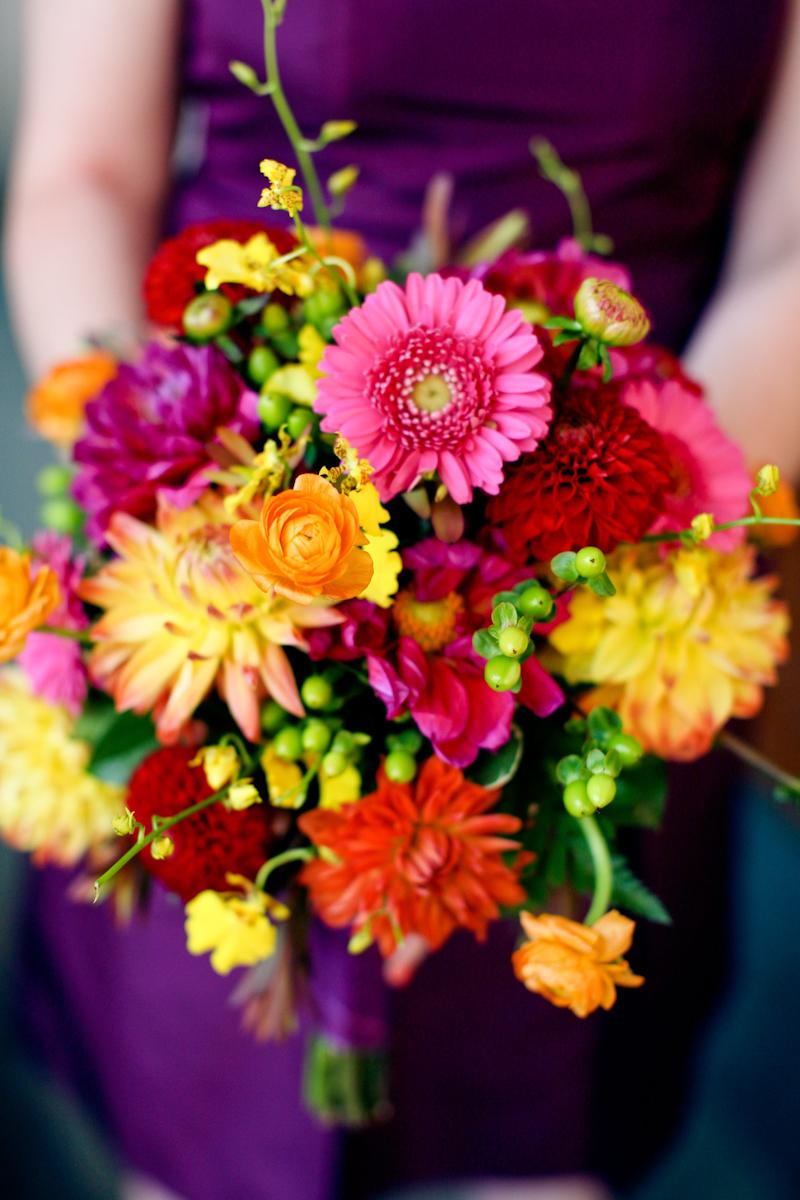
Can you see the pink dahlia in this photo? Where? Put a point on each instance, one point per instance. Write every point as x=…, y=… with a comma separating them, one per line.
x=53, y=664
x=708, y=469
x=431, y=670
x=435, y=377
x=150, y=428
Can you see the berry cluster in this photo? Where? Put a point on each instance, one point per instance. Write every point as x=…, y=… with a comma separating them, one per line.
x=589, y=778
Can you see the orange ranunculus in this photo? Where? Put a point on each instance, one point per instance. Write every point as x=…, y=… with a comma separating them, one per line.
x=306, y=544
x=342, y=243
x=55, y=406
x=576, y=966
x=25, y=600
x=782, y=503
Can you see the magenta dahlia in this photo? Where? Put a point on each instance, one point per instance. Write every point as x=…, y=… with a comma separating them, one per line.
x=437, y=376
x=149, y=430
x=598, y=479
x=548, y=279
x=708, y=470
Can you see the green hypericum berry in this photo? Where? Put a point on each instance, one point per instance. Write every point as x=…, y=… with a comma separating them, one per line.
x=273, y=716
x=502, y=673
x=274, y=319
x=207, y=316
x=513, y=641
x=273, y=409
x=316, y=692
x=288, y=743
x=62, y=515
x=54, y=480
x=334, y=763
x=535, y=602
x=261, y=363
x=590, y=562
x=576, y=799
x=316, y=736
x=627, y=747
x=324, y=303
x=400, y=766
x=601, y=790
x=410, y=740
x=344, y=743
x=298, y=422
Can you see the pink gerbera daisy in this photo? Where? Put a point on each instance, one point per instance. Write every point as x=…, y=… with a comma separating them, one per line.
x=708, y=469
x=436, y=377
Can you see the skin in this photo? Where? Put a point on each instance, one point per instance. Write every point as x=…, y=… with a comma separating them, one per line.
x=93, y=153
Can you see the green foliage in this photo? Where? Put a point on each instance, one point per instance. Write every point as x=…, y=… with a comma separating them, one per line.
x=634, y=896
x=563, y=566
x=496, y=768
x=601, y=585
x=119, y=740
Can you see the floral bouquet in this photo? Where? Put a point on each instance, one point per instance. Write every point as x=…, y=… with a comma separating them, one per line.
x=373, y=602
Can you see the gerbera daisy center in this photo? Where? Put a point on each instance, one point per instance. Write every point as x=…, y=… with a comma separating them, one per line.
x=431, y=394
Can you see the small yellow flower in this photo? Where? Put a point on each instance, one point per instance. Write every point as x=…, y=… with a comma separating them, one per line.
x=236, y=928
x=124, y=824
x=220, y=763
x=284, y=780
x=337, y=790
x=241, y=795
x=768, y=480
x=256, y=264
x=703, y=527
x=162, y=847
x=264, y=474
x=381, y=546
x=312, y=347
x=282, y=193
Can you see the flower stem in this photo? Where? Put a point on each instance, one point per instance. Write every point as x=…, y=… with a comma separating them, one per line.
x=75, y=635
x=677, y=535
x=569, y=184
x=272, y=18
x=603, y=871
x=301, y=854
x=754, y=758
x=139, y=845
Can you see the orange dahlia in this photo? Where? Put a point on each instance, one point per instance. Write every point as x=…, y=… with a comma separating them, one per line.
x=423, y=858
x=27, y=598
x=576, y=966
x=182, y=616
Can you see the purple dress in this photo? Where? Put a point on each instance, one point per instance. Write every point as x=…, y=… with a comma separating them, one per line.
x=655, y=104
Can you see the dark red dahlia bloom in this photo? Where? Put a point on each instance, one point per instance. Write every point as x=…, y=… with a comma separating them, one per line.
x=597, y=479
x=207, y=845
x=549, y=278
x=174, y=276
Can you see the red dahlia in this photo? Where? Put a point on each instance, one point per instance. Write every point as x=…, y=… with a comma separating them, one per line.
x=207, y=845
x=174, y=276
x=597, y=479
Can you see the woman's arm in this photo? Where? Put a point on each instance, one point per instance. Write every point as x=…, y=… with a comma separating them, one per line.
x=747, y=346
x=90, y=169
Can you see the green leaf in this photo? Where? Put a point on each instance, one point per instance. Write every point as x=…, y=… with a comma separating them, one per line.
x=484, y=643
x=563, y=337
x=496, y=768
x=562, y=323
x=563, y=566
x=504, y=615
x=122, y=746
x=641, y=795
x=634, y=896
x=601, y=585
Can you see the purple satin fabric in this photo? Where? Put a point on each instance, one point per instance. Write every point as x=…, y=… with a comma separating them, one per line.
x=655, y=104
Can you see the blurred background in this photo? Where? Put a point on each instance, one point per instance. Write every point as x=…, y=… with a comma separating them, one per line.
x=737, y=1139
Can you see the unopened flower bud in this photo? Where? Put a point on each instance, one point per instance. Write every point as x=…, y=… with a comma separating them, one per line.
x=702, y=527
x=610, y=314
x=124, y=824
x=341, y=181
x=220, y=763
x=768, y=480
x=241, y=795
x=162, y=847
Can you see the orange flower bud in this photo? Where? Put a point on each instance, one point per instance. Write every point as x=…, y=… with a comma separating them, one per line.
x=25, y=601
x=576, y=966
x=780, y=503
x=610, y=314
x=306, y=544
x=55, y=406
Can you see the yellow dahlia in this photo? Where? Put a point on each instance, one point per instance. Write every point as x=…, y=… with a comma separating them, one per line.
x=182, y=616
x=49, y=803
x=689, y=641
